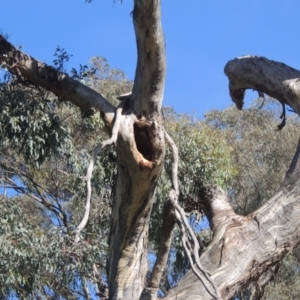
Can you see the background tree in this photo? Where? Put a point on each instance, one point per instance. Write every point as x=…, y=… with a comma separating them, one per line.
x=136, y=127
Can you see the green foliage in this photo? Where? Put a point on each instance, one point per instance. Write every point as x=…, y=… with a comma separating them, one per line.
x=53, y=194
x=45, y=149
x=205, y=157
x=37, y=259
x=28, y=122
x=61, y=58
x=285, y=283
x=261, y=154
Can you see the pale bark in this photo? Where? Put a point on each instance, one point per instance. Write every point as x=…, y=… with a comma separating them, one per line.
x=243, y=247
x=63, y=86
x=149, y=81
x=140, y=149
x=140, y=143
x=267, y=76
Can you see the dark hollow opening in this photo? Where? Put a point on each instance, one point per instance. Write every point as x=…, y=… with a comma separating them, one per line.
x=144, y=142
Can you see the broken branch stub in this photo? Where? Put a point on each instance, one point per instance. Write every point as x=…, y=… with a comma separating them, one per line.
x=266, y=76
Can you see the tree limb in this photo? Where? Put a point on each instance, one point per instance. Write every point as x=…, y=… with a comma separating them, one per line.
x=266, y=76
x=243, y=248
x=164, y=246
x=203, y=275
x=88, y=176
x=40, y=74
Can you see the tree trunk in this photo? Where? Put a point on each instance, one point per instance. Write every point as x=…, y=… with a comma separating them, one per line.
x=140, y=149
x=243, y=247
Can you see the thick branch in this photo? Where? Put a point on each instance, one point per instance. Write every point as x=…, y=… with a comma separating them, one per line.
x=267, y=76
x=151, y=65
x=243, y=248
x=214, y=203
x=21, y=64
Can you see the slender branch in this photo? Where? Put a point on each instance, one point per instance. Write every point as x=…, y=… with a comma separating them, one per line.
x=85, y=288
x=101, y=286
x=88, y=176
x=42, y=200
x=187, y=248
x=180, y=216
x=183, y=223
x=167, y=228
x=174, y=163
x=164, y=246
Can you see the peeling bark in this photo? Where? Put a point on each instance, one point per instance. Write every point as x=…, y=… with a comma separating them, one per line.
x=243, y=247
x=267, y=76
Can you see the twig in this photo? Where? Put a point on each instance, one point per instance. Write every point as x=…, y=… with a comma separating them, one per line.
x=88, y=176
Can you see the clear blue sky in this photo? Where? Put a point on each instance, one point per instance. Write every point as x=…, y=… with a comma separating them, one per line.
x=201, y=36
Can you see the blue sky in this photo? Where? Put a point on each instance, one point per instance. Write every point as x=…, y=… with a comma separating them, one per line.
x=201, y=36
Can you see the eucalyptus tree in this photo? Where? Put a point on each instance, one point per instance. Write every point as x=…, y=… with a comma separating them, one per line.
x=243, y=248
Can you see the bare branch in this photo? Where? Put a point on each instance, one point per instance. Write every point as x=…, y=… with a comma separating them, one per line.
x=181, y=218
x=23, y=65
x=88, y=176
x=244, y=247
x=183, y=223
x=41, y=199
x=187, y=247
x=266, y=76
x=174, y=163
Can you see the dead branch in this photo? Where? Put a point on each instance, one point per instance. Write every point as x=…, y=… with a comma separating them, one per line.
x=88, y=176
x=273, y=78
x=191, y=250
x=174, y=163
